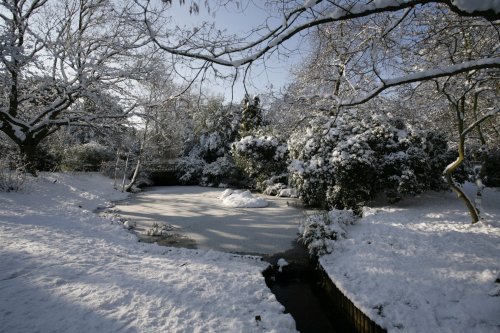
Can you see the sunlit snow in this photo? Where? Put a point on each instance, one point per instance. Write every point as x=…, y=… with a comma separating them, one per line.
x=65, y=269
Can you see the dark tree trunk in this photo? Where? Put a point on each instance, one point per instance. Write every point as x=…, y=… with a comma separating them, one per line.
x=28, y=150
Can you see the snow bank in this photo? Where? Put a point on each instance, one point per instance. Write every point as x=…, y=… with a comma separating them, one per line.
x=65, y=269
x=288, y=193
x=281, y=263
x=241, y=199
x=420, y=266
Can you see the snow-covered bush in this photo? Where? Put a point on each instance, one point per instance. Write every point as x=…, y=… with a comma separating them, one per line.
x=208, y=163
x=263, y=158
x=49, y=157
x=222, y=170
x=344, y=162
x=414, y=164
x=490, y=172
x=320, y=231
x=211, y=146
x=241, y=199
x=12, y=172
x=160, y=229
x=86, y=157
x=273, y=187
x=190, y=167
x=195, y=165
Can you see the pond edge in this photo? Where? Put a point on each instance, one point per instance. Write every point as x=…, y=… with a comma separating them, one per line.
x=340, y=305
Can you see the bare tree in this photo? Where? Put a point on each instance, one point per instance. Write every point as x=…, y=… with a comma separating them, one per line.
x=211, y=46
x=379, y=55
x=472, y=96
x=58, y=55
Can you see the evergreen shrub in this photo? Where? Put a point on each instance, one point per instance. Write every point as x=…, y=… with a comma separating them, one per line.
x=490, y=171
x=263, y=158
x=86, y=157
x=346, y=161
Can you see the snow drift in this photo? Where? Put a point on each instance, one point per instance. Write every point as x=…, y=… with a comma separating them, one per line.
x=241, y=199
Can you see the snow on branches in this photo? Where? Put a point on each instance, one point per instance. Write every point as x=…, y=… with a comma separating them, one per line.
x=344, y=163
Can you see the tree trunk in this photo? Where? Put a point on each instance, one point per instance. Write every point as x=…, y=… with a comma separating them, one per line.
x=139, y=159
x=128, y=187
x=448, y=172
x=28, y=156
x=478, y=201
x=116, y=167
x=125, y=173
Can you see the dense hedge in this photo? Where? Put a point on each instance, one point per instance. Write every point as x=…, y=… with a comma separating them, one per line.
x=343, y=162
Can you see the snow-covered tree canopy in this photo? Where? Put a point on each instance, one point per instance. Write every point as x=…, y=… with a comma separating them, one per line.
x=65, y=62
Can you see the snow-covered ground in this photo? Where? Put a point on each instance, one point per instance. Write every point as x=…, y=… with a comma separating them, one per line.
x=65, y=269
x=420, y=266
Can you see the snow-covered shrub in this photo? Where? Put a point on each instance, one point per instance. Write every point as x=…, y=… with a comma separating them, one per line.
x=311, y=172
x=190, y=167
x=220, y=171
x=263, y=158
x=320, y=231
x=273, y=188
x=354, y=167
x=211, y=146
x=288, y=193
x=241, y=199
x=208, y=163
x=207, y=160
x=48, y=157
x=440, y=155
x=12, y=172
x=311, y=181
x=490, y=172
x=160, y=229
x=344, y=162
x=415, y=164
x=86, y=157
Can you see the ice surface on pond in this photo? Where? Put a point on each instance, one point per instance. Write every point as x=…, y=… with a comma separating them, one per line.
x=199, y=214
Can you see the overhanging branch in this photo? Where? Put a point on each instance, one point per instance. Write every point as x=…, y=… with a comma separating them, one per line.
x=464, y=67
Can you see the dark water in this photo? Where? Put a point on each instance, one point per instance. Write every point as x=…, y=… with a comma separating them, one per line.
x=298, y=289
x=164, y=178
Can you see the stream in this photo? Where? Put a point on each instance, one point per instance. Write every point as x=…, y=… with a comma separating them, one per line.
x=297, y=287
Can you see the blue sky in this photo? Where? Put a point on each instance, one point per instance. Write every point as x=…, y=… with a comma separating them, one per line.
x=241, y=21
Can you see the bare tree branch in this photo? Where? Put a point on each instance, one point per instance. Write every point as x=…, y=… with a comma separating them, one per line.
x=422, y=76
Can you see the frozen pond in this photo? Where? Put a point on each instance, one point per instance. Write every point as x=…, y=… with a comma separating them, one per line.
x=197, y=212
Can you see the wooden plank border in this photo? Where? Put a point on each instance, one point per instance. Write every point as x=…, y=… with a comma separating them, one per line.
x=340, y=305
